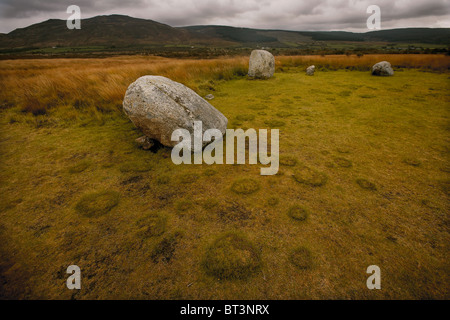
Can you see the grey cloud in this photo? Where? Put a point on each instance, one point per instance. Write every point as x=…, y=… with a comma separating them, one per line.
x=281, y=14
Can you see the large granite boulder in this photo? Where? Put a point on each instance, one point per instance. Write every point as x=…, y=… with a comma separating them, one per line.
x=262, y=64
x=158, y=106
x=382, y=68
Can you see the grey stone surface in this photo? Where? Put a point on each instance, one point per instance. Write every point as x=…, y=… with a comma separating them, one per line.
x=382, y=68
x=261, y=65
x=158, y=106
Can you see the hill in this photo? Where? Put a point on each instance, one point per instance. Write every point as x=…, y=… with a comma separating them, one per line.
x=110, y=30
x=291, y=38
x=117, y=32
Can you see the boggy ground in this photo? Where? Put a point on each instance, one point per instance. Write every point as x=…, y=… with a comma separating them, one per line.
x=364, y=180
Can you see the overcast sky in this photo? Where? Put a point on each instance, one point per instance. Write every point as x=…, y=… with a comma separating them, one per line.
x=348, y=15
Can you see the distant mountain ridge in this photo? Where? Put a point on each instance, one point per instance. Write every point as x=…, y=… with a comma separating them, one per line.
x=120, y=30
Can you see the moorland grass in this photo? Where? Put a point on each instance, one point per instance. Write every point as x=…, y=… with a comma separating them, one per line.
x=400, y=226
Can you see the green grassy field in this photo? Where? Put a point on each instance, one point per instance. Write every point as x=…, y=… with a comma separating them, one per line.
x=81, y=192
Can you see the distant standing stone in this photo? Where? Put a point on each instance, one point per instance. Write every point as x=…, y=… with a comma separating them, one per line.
x=209, y=97
x=382, y=68
x=158, y=106
x=310, y=70
x=262, y=64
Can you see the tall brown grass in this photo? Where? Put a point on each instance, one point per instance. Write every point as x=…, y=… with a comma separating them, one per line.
x=37, y=86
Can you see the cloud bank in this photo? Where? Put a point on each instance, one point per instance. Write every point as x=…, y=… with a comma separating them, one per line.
x=301, y=15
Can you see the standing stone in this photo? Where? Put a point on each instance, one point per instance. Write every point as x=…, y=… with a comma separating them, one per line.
x=262, y=64
x=158, y=106
x=209, y=97
x=310, y=70
x=382, y=68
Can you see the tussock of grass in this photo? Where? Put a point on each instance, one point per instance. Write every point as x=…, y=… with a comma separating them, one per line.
x=233, y=212
x=245, y=117
x=273, y=201
x=287, y=160
x=79, y=167
x=412, y=162
x=342, y=162
x=301, y=258
x=98, y=203
x=343, y=150
x=273, y=123
x=135, y=166
x=183, y=205
x=236, y=124
x=231, y=256
x=163, y=179
x=245, y=186
x=152, y=225
x=209, y=172
x=309, y=176
x=210, y=204
x=188, y=178
x=345, y=93
x=284, y=114
x=366, y=184
x=164, y=250
x=297, y=212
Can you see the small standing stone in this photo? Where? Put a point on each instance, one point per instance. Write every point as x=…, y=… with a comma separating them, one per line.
x=382, y=68
x=310, y=70
x=261, y=65
x=209, y=97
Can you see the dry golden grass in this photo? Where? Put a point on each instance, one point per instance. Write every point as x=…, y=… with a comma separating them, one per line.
x=99, y=85
x=434, y=62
